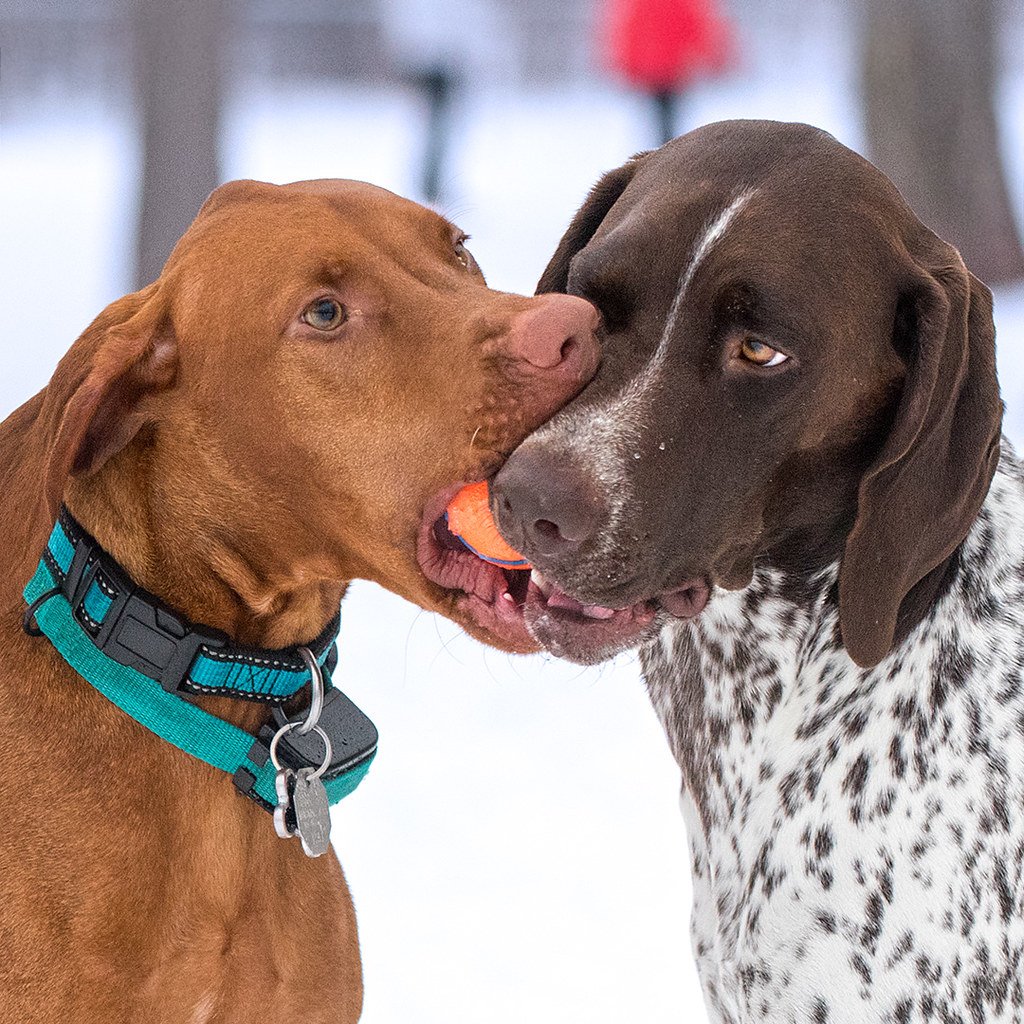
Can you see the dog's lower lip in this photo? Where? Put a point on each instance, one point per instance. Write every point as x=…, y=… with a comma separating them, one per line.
x=584, y=633
x=684, y=602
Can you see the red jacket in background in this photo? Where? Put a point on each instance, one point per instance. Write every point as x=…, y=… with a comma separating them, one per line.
x=663, y=45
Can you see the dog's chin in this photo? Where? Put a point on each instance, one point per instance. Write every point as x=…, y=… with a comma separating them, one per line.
x=590, y=633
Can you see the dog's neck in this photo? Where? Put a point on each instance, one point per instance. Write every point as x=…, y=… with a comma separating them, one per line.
x=266, y=589
x=800, y=767
x=207, y=574
x=720, y=678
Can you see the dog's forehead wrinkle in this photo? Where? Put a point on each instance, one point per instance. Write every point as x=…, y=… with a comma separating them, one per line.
x=634, y=218
x=333, y=213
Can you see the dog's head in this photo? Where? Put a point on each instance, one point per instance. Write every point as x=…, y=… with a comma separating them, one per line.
x=795, y=371
x=318, y=370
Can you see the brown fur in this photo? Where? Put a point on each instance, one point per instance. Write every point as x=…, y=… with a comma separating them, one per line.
x=244, y=467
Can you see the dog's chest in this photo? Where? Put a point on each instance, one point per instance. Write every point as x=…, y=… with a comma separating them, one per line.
x=857, y=837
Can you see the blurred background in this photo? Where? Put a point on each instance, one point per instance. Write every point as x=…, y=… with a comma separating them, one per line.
x=516, y=852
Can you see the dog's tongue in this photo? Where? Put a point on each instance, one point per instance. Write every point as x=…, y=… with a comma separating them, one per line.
x=555, y=597
x=560, y=599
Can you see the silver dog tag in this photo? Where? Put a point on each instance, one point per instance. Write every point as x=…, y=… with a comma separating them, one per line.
x=283, y=785
x=312, y=813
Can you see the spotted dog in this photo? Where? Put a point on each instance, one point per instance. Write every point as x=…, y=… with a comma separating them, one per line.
x=785, y=484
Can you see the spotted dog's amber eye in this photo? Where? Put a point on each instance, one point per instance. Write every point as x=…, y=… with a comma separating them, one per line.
x=756, y=352
x=324, y=314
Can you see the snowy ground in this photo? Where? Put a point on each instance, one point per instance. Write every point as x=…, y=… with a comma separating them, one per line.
x=516, y=853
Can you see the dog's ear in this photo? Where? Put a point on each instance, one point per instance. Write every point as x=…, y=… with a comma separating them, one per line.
x=918, y=499
x=588, y=218
x=96, y=401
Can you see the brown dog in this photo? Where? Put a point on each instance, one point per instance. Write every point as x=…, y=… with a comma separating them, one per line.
x=786, y=484
x=291, y=405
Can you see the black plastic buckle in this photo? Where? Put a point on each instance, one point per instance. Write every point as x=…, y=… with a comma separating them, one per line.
x=144, y=635
x=138, y=631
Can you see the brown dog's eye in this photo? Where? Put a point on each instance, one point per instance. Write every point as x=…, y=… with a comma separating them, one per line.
x=757, y=352
x=324, y=314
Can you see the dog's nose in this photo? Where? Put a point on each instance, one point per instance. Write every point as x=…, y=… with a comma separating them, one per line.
x=557, y=333
x=543, y=505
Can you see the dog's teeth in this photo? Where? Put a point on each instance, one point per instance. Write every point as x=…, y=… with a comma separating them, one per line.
x=595, y=611
x=508, y=597
x=543, y=585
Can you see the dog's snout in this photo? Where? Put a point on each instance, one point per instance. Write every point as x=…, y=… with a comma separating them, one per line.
x=543, y=505
x=557, y=333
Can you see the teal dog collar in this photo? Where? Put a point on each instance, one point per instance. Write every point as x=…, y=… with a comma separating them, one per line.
x=144, y=657
x=135, y=629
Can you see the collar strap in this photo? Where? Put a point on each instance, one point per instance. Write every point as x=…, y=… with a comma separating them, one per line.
x=137, y=630
x=138, y=689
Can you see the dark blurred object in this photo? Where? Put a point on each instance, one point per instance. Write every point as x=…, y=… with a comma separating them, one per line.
x=438, y=85
x=180, y=47
x=929, y=73
x=663, y=46
x=437, y=46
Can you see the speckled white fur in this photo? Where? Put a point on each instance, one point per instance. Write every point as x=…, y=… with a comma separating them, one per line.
x=857, y=835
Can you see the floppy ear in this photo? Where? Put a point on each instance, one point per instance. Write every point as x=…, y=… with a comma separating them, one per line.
x=918, y=500
x=588, y=218
x=96, y=398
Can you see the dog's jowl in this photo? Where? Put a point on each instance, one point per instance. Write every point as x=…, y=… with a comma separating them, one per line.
x=786, y=485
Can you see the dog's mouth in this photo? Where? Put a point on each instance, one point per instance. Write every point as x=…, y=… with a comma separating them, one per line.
x=521, y=609
x=488, y=596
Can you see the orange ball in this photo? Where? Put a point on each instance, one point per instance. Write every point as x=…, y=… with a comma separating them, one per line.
x=469, y=518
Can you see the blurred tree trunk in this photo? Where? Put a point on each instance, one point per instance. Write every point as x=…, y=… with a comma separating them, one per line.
x=180, y=46
x=929, y=77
